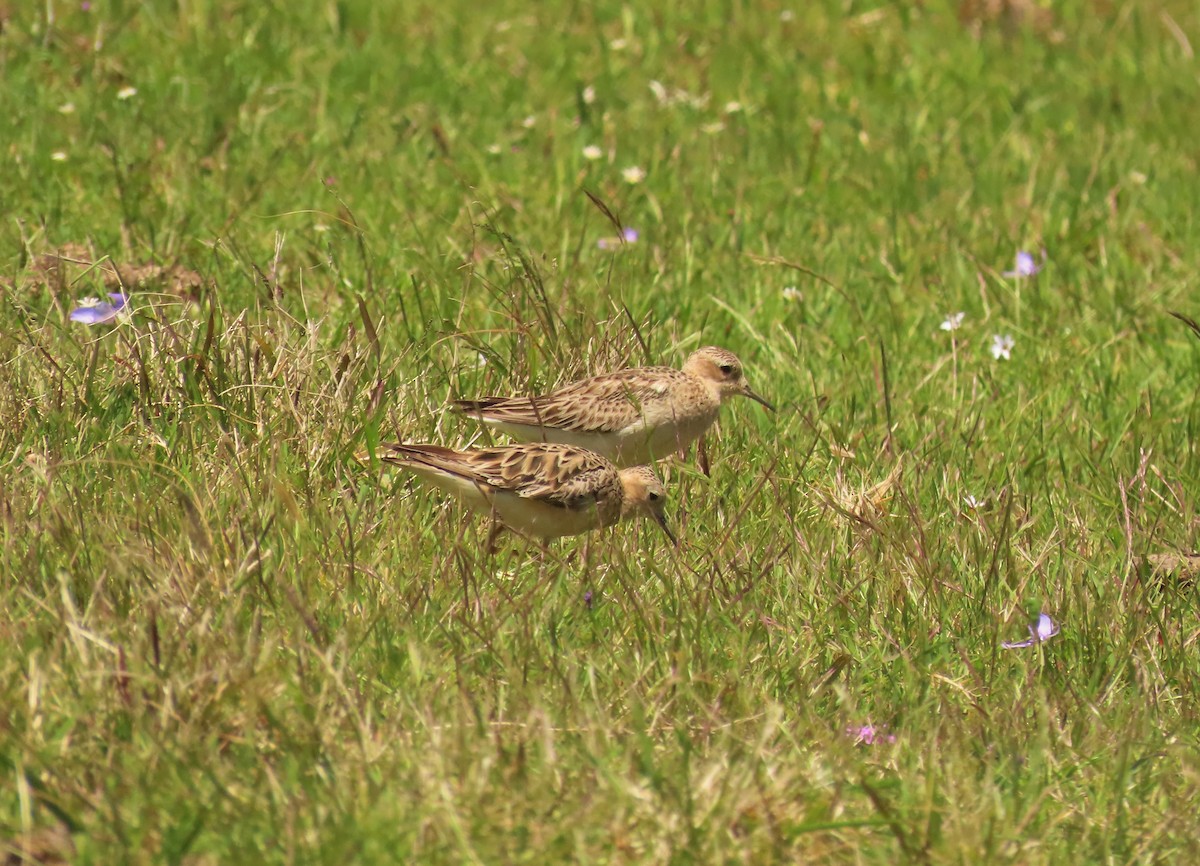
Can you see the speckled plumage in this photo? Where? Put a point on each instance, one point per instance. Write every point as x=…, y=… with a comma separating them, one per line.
x=539, y=489
x=631, y=416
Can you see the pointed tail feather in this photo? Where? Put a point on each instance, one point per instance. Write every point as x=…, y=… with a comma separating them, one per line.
x=427, y=455
x=1187, y=320
x=476, y=407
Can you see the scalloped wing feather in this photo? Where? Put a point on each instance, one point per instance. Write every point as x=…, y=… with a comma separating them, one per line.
x=603, y=404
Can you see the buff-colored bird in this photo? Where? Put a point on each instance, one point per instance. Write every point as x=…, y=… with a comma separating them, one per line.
x=540, y=490
x=632, y=416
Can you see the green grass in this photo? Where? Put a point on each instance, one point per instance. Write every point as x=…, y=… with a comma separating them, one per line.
x=224, y=641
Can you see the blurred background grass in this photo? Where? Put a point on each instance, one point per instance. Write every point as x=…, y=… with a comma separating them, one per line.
x=227, y=643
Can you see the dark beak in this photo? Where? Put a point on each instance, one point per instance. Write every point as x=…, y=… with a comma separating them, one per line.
x=662, y=521
x=758, y=399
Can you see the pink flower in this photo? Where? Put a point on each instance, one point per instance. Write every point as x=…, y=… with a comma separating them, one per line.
x=868, y=734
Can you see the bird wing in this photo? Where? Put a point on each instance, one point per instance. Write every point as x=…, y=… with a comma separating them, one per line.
x=558, y=475
x=564, y=476
x=602, y=404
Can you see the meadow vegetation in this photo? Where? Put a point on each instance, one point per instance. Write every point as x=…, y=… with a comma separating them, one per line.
x=225, y=641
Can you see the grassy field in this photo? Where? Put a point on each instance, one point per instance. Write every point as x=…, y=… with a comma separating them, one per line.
x=224, y=641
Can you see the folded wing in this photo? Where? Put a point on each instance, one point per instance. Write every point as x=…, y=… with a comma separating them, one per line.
x=557, y=475
x=603, y=404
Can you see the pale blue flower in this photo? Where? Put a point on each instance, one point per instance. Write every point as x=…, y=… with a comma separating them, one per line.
x=628, y=236
x=93, y=311
x=1027, y=266
x=1046, y=629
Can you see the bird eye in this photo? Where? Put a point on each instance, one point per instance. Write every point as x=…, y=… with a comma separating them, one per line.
x=654, y=496
x=727, y=369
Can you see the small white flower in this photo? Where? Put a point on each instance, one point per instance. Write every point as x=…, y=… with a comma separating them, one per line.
x=127, y=93
x=733, y=107
x=482, y=360
x=953, y=321
x=589, y=95
x=791, y=293
x=659, y=91
x=787, y=15
x=530, y=122
x=67, y=108
x=1002, y=346
x=592, y=152
x=493, y=149
x=59, y=156
x=971, y=502
x=618, y=44
x=633, y=174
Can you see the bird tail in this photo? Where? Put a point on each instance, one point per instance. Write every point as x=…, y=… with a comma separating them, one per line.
x=477, y=407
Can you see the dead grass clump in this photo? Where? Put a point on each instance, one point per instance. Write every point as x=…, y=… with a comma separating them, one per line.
x=47, y=846
x=1010, y=16
x=63, y=266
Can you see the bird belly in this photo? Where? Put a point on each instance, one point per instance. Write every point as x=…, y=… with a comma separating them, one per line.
x=646, y=443
x=541, y=520
x=463, y=489
x=527, y=516
x=604, y=444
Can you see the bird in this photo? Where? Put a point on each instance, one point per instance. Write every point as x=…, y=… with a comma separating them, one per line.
x=633, y=416
x=542, y=490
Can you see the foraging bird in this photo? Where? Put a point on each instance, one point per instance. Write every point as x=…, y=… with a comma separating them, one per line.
x=632, y=416
x=543, y=490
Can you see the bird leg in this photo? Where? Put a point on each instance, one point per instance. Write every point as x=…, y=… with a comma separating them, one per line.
x=587, y=571
x=494, y=530
x=702, y=456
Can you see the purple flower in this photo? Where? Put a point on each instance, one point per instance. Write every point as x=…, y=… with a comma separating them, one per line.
x=85, y=6
x=628, y=236
x=868, y=734
x=1046, y=629
x=587, y=599
x=93, y=311
x=1026, y=265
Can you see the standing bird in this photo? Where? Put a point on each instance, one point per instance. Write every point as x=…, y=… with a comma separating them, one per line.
x=632, y=416
x=541, y=490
